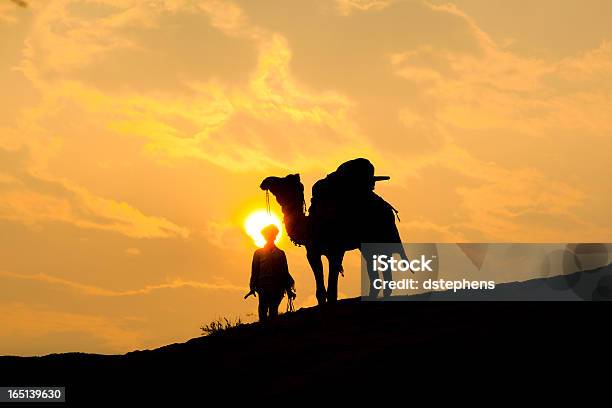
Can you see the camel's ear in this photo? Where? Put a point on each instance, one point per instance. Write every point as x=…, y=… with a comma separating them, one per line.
x=297, y=176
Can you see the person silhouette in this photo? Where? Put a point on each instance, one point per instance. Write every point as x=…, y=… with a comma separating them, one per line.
x=270, y=277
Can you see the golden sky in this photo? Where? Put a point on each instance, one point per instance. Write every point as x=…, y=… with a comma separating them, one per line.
x=134, y=135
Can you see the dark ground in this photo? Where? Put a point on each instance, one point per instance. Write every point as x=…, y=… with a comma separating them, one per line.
x=352, y=349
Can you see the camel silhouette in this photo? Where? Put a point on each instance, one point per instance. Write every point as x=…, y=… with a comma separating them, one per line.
x=344, y=214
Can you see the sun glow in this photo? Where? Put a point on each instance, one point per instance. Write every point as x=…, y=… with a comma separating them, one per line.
x=257, y=221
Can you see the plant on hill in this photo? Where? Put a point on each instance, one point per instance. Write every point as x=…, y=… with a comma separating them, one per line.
x=219, y=325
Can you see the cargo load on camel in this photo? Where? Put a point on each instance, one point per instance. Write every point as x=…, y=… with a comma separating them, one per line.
x=344, y=196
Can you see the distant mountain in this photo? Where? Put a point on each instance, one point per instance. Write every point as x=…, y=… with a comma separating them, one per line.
x=352, y=348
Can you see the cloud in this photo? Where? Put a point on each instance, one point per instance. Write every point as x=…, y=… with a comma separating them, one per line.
x=470, y=200
x=236, y=126
x=6, y=13
x=230, y=19
x=346, y=7
x=67, y=35
x=32, y=199
x=24, y=325
x=224, y=234
x=133, y=251
x=428, y=231
x=507, y=122
x=9, y=11
x=503, y=195
x=96, y=291
x=376, y=80
x=20, y=3
x=499, y=90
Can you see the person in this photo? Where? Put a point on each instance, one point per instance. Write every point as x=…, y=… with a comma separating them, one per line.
x=270, y=277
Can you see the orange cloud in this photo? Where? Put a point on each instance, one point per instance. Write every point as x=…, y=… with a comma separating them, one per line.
x=11, y=10
x=31, y=199
x=96, y=291
x=346, y=7
x=25, y=325
x=436, y=92
x=272, y=99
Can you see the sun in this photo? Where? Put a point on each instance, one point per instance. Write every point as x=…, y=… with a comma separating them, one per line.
x=255, y=223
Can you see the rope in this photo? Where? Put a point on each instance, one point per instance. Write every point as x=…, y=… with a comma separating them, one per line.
x=268, y=203
x=290, y=307
x=396, y=213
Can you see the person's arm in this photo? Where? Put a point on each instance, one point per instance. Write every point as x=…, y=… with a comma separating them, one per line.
x=290, y=281
x=254, y=271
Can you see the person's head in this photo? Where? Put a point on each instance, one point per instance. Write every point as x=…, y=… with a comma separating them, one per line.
x=269, y=233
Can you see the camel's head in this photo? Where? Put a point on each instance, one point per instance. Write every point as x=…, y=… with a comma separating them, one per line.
x=288, y=190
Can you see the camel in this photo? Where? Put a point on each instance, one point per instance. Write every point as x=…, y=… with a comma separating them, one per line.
x=340, y=222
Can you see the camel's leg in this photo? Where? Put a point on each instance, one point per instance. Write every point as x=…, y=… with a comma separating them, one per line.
x=372, y=274
x=335, y=266
x=314, y=259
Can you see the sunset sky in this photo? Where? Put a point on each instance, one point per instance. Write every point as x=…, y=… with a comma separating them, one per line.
x=134, y=135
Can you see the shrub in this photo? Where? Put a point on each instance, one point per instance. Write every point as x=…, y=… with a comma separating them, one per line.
x=219, y=325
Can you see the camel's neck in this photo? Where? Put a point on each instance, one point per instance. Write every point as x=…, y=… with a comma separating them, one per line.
x=295, y=220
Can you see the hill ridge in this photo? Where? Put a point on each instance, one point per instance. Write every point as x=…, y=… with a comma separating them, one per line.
x=324, y=346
